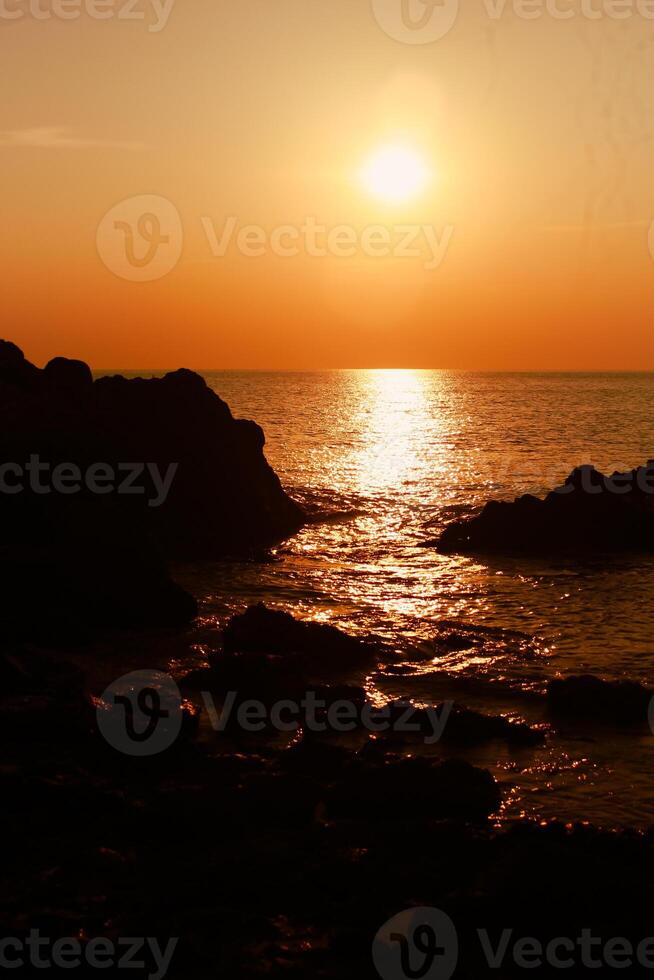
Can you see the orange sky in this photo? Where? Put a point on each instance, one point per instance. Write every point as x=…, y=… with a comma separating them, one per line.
x=536, y=134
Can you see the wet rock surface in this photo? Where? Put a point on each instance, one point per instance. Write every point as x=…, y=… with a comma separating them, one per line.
x=313, y=646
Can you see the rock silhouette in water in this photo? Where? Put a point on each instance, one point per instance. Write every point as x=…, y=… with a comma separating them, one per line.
x=590, y=512
x=313, y=646
x=74, y=557
x=590, y=698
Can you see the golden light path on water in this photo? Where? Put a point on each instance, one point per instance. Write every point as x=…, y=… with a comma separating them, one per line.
x=382, y=460
x=395, y=402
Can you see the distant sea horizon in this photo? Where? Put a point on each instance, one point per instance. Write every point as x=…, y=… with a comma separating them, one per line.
x=103, y=371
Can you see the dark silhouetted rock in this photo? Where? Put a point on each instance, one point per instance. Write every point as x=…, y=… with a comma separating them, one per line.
x=414, y=788
x=462, y=726
x=315, y=757
x=67, y=374
x=590, y=512
x=186, y=479
x=70, y=565
x=252, y=675
x=42, y=699
x=602, y=702
x=319, y=647
x=29, y=672
x=15, y=372
x=224, y=497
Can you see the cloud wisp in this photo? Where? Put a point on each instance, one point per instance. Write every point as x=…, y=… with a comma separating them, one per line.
x=60, y=138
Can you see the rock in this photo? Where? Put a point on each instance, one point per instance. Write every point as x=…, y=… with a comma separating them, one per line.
x=29, y=672
x=590, y=512
x=44, y=718
x=314, y=757
x=407, y=789
x=602, y=702
x=456, y=642
x=318, y=647
x=77, y=568
x=68, y=375
x=15, y=371
x=250, y=675
x=224, y=497
x=462, y=726
x=273, y=682
x=186, y=480
x=42, y=699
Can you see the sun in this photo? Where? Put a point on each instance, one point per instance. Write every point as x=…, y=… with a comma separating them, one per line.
x=395, y=174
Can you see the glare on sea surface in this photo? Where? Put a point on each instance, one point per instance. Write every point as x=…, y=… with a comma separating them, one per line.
x=392, y=422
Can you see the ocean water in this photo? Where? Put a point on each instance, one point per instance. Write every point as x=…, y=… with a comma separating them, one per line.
x=383, y=460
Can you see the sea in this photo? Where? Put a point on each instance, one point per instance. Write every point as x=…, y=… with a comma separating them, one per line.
x=383, y=460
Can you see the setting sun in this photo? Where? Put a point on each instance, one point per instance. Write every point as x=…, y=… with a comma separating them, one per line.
x=395, y=174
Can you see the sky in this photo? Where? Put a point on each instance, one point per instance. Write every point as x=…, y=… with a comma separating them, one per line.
x=308, y=184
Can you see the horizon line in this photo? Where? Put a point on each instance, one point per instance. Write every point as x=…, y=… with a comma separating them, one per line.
x=322, y=370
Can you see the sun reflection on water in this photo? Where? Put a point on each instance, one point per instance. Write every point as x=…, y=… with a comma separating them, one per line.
x=394, y=407
x=383, y=460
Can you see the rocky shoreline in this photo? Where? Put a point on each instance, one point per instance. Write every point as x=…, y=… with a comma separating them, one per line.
x=276, y=838
x=283, y=857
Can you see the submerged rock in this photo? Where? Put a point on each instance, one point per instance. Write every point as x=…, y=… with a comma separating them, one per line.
x=603, y=702
x=458, y=725
x=315, y=647
x=590, y=511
